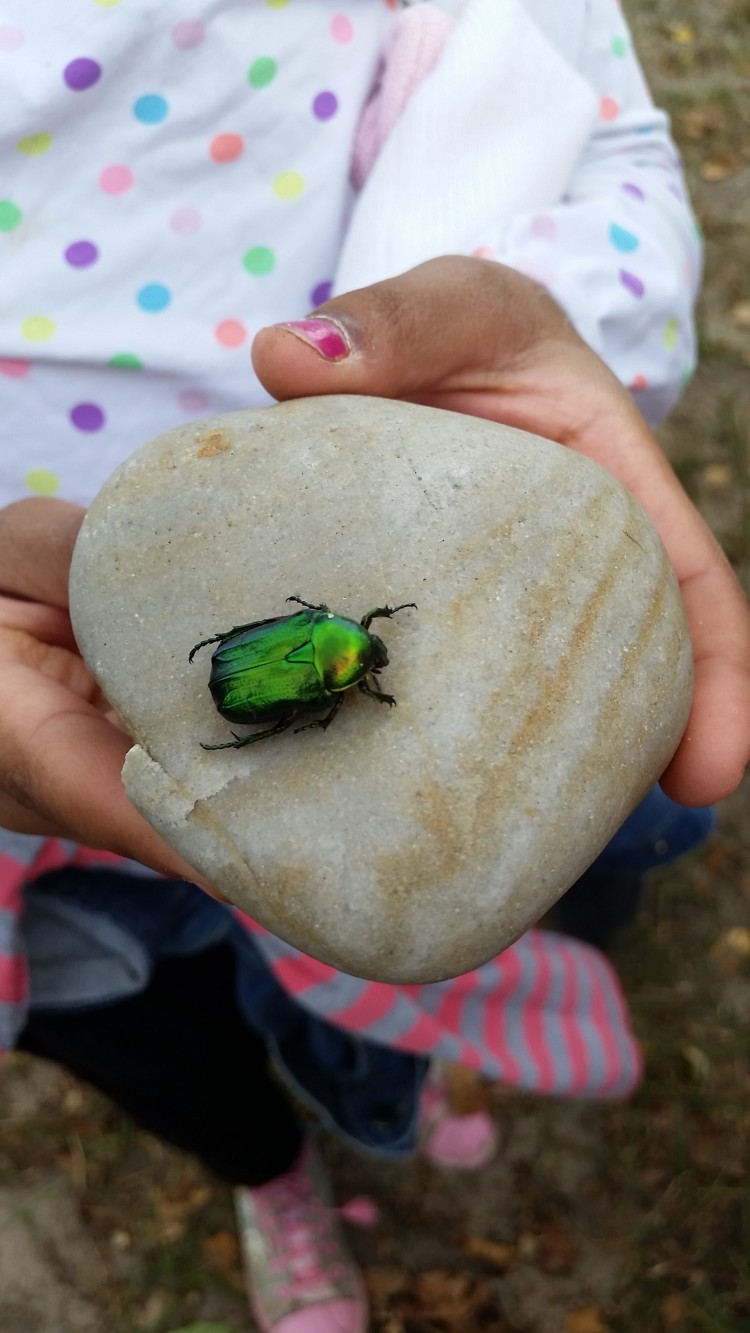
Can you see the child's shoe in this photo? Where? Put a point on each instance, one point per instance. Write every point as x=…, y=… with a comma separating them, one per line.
x=300, y=1274
x=465, y=1142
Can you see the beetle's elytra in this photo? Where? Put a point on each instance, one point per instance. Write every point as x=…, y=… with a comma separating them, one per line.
x=273, y=670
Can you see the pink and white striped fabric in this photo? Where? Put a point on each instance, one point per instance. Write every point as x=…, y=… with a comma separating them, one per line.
x=547, y=1015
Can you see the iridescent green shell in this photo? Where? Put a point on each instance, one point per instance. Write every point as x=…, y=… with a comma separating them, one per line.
x=295, y=662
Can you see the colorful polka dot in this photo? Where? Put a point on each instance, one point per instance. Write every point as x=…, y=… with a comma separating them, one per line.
x=632, y=283
x=194, y=401
x=38, y=328
x=634, y=191
x=151, y=109
x=342, y=29
x=82, y=73
x=13, y=368
x=544, y=228
x=622, y=239
x=671, y=334
x=262, y=71
x=320, y=294
x=483, y=252
x=116, y=179
x=34, y=144
x=277, y=4
x=259, y=260
x=609, y=109
x=230, y=333
x=227, y=147
x=186, y=221
x=544, y=274
x=638, y=382
x=325, y=105
x=125, y=361
x=81, y=254
x=188, y=34
x=87, y=416
x=10, y=215
x=288, y=185
x=11, y=39
x=106, y=4
x=619, y=46
x=154, y=297
x=42, y=482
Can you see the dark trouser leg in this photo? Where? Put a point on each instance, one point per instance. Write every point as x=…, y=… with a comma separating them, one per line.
x=181, y=1061
x=599, y=906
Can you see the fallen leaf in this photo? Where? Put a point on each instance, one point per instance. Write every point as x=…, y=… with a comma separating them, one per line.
x=740, y=313
x=153, y=1308
x=556, y=1252
x=698, y=122
x=172, y=1214
x=682, y=34
x=220, y=1252
x=732, y=949
x=494, y=1252
x=384, y=1282
x=588, y=1320
x=720, y=858
x=717, y=475
x=73, y=1100
x=450, y=1297
x=720, y=166
x=697, y=1061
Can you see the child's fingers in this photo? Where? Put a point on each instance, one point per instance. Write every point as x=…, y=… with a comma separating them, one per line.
x=438, y=326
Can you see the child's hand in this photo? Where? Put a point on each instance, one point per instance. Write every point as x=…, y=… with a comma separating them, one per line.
x=61, y=748
x=477, y=337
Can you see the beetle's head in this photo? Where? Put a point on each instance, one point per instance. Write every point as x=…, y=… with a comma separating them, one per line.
x=379, y=652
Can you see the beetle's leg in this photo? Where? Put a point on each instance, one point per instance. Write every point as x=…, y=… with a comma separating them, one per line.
x=230, y=633
x=386, y=612
x=217, y=638
x=377, y=693
x=238, y=742
x=326, y=721
x=310, y=605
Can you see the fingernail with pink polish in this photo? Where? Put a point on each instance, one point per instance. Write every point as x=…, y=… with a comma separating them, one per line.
x=324, y=335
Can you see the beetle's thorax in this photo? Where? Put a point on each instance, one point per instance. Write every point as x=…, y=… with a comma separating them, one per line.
x=343, y=652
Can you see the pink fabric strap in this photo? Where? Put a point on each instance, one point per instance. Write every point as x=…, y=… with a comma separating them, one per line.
x=412, y=50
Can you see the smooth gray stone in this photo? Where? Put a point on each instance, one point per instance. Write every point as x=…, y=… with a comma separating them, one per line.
x=542, y=685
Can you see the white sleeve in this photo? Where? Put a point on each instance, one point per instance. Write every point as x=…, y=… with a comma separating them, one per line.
x=620, y=252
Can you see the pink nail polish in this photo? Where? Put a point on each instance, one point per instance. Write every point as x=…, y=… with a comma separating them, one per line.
x=323, y=334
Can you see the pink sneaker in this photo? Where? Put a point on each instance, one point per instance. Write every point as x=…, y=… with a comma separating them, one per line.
x=464, y=1142
x=300, y=1274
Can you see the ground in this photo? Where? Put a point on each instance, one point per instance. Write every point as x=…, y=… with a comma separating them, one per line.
x=593, y=1218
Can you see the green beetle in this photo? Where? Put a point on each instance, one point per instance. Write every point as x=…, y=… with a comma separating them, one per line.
x=271, y=670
